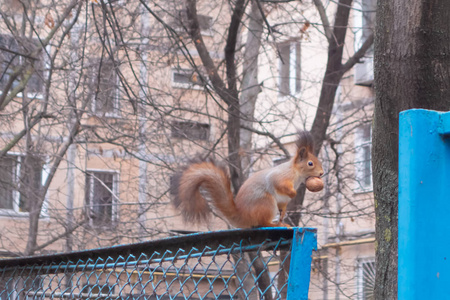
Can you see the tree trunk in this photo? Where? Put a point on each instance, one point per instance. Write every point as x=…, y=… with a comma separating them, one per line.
x=412, y=70
x=250, y=87
x=229, y=94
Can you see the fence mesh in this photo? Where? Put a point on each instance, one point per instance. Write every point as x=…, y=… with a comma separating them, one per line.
x=232, y=264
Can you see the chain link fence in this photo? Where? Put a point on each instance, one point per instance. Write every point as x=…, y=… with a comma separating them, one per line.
x=266, y=263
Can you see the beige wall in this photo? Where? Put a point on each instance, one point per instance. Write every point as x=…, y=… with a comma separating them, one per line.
x=341, y=215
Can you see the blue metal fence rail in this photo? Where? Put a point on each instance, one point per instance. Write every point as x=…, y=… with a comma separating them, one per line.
x=264, y=263
x=424, y=205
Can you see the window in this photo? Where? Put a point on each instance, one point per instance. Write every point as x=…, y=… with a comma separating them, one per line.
x=11, y=59
x=364, y=23
x=204, y=22
x=190, y=130
x=289, y=68
x=366, y=279
x=9, y=168
x=101, y=195
x=363, y=158
x=105, y=88
x=20, y=179
x=183, y=78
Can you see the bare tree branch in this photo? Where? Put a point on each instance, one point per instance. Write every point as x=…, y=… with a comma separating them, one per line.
x=325, y=22
x=358, y=54
x=59, y=236
x=208, y=63
x=7, y=96
x=17, y=53
x=22, y=133
x=276, y=140
x=230, y=48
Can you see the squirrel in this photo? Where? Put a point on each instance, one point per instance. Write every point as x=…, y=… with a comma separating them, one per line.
x=261, y=197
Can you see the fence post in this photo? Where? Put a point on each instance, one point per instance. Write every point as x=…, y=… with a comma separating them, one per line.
x=303, y=243
x=424, y=205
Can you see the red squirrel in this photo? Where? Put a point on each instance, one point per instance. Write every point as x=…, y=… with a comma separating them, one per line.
x=262, y=196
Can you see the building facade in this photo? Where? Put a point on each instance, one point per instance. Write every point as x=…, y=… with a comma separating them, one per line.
x=102, y=101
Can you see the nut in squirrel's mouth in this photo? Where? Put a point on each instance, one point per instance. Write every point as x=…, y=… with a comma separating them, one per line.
x=314, y=184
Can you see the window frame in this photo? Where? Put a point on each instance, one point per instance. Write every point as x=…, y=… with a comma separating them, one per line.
x=179, y=134
x=15, y=211
x=89, y=206
x=43, y=60
x=189, y=73
x=360, y=280
x=364, y=14
x=289, y=69
x=364, y=23
x=362, y=143
x=115, y=112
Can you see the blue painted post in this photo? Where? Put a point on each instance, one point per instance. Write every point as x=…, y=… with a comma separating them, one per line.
x=303, y=243
x=424, y=205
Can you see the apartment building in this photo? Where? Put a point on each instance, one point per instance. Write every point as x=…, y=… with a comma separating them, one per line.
x=345, y=264
x=118, y=97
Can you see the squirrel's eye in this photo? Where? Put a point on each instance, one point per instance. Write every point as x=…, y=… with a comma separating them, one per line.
x=310, y=163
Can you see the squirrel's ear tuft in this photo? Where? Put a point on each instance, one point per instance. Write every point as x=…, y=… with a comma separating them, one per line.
x=305, y=140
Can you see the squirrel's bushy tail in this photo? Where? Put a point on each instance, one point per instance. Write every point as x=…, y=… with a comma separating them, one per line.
x=209, y=176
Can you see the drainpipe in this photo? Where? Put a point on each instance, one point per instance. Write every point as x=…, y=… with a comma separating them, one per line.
x=142, y=191
x=339, y=224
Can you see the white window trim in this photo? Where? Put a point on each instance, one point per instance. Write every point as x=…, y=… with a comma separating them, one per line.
x=45, y=172
x=358, y=24
x=293, y=65
x=115, y=196
x=359, y=160
x=15, y=211
x=363, y=70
